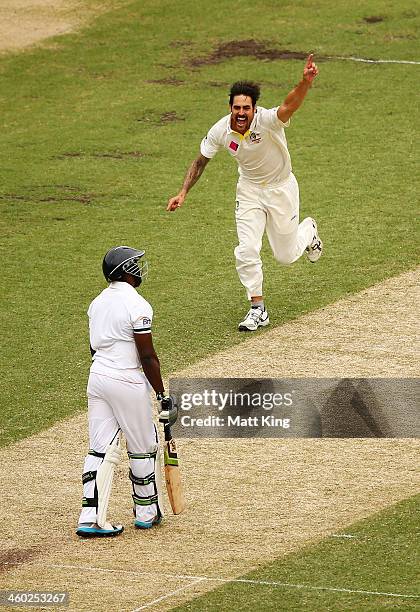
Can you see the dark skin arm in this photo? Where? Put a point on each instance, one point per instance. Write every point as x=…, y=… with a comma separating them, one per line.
x=193, y=174
x=149, y=361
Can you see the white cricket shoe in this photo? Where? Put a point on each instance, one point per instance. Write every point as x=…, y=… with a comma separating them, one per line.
x=255, y=318
x=314, y=250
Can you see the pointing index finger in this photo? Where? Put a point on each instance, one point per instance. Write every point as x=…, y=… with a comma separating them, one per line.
x=309, y=60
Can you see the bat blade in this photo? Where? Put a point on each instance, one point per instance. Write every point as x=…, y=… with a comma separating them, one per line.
x=173, y=474
x=104, y=478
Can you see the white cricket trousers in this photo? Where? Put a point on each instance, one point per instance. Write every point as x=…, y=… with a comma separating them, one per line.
x=276, y=211
x=114, y=404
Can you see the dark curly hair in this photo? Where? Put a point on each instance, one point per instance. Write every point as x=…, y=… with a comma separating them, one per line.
x=245, y=88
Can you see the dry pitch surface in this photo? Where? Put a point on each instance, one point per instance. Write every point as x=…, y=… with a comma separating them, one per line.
x=26, y=22
x=249, y=501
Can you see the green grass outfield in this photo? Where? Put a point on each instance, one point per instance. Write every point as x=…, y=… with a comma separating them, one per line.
x=95, y=139
x=374, y=569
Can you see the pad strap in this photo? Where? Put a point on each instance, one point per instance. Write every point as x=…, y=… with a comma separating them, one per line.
x=145, y=501
x=89, y=502
x=142, y=455
x=95, y=454
x=141, y=481
x=88, y=476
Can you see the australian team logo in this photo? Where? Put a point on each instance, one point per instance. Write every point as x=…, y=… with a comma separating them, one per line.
x=255, y=137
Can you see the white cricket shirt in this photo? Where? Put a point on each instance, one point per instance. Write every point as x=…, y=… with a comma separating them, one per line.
x=261, y=153
x=115, y=315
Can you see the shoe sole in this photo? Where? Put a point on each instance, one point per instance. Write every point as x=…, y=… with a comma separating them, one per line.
x=92, y=533
x=141, y=525
x=262, y=324
x=314, y=223
x=320, y=253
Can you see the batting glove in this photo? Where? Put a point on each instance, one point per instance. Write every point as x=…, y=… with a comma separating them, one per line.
x=168, y=412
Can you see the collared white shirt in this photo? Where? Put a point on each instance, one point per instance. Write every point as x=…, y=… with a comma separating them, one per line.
x=115, y=315
x=261, y=153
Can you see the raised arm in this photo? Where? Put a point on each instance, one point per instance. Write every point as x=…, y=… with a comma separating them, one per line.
x=295, y=98
x=193, y=174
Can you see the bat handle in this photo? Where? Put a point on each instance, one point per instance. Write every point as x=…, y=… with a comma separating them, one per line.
x=117, y=434
x=167, y=431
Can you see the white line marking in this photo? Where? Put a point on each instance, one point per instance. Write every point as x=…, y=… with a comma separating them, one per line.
x=371, y=61
x=83, y=568
x=342, y=535
x=155, y=601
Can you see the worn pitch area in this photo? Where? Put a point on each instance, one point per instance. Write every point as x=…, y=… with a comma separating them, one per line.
x=249, y=501
x=27, y=22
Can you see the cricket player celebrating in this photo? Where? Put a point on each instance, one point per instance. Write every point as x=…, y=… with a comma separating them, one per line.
x=267, y=194
x=124, y=369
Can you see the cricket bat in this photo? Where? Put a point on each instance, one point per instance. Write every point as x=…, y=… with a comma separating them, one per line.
x=172, y=473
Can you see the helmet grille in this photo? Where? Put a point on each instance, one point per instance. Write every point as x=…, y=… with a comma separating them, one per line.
x=132, y=267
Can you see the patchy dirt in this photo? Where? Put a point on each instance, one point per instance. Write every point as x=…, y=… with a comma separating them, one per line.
x=168, y=81
x=64, y=193
x=119, y=154
x=373, y=19
x=16, y=556
x=70, y=154
x=170, y=116
x=179, y=43
x=104, y=154
x=153, y=118
x=82, y=199
x=244, y=48
x=263, y=51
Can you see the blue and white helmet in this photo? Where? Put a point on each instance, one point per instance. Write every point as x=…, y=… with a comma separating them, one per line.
x=122, y=259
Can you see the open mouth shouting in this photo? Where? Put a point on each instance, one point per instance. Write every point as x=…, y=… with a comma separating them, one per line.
x=242, y=113
x=241, y=121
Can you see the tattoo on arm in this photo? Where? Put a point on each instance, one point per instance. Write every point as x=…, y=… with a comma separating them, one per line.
x=194, y=172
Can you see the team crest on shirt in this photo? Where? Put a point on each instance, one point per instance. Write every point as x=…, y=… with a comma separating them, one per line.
x=146, y=321
x=255, y=137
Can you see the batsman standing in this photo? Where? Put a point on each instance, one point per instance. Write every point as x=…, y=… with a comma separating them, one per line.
x=124, y=369
x=267, y=193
